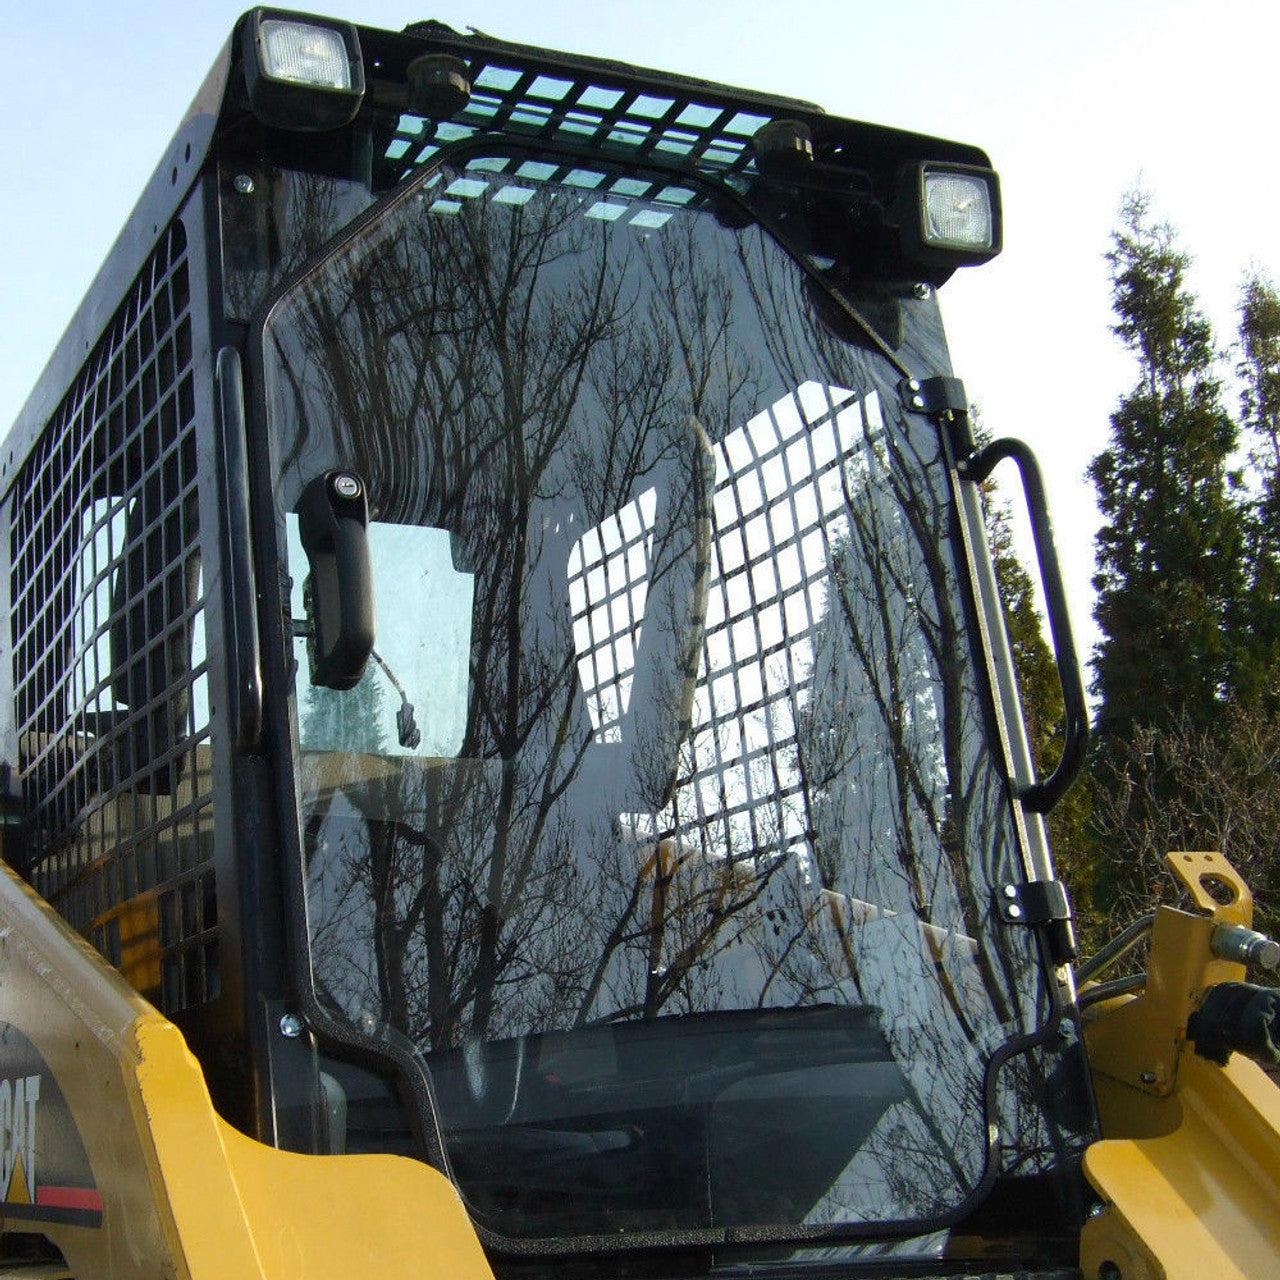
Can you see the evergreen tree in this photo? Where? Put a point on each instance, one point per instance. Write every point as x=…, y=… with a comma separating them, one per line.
x=1256, y=681
x=1169, y=550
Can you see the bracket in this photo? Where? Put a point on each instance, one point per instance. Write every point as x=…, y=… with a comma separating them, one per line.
x=933, y=395
x=1040, y=904
x=941, y=397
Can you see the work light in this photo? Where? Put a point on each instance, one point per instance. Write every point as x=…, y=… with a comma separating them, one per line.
x=301, y=72
x=957, y=211
x=950, y=214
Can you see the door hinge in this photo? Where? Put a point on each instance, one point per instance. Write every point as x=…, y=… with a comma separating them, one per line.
x=1041, y=904
x=945, y=398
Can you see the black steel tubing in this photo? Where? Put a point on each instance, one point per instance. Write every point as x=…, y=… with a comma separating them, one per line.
x=245, y=678
x=1041, y=796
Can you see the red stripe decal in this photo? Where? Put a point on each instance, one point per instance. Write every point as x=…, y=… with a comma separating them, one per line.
x=68, y=1198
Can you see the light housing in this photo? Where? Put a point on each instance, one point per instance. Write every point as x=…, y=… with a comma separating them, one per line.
x=949, y=214
x=301, y=72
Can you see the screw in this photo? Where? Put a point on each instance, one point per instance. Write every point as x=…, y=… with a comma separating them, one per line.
x=291, y=1026
x=243, y=184
x=346, y=486
x=921, y=291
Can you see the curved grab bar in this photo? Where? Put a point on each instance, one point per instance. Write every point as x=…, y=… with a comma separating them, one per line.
x=1041, y=796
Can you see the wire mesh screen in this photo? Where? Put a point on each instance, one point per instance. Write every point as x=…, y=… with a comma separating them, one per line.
x=109, y=657
x=611, y=118
x=782, y=485
x=608, y=584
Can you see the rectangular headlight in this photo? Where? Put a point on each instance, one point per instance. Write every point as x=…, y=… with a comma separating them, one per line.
x=304, y=54
x=301, y=72
x=949, y=214
x=957, y=211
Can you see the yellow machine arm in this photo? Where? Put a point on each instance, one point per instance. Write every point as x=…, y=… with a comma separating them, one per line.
x=1189, y=1167
x=112, y=1149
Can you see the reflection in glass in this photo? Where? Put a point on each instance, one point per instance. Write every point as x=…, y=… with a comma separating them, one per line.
x=685, y=898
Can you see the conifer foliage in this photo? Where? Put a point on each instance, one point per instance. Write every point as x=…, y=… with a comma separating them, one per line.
x=1256, y=679
x=1169, y=551
x=1187, y=674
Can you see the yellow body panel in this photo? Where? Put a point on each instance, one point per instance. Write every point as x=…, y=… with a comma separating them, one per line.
x=1189, y=1166
x=182, y=1193
x=1201, y=1202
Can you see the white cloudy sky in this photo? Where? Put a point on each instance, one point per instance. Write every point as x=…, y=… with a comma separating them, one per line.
x=1074, y=101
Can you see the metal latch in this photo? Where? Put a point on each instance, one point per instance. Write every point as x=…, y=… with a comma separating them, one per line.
x=1041, y=904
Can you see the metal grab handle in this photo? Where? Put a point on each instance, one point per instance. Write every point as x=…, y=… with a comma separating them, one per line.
x=1040, y=797
x=245, y=678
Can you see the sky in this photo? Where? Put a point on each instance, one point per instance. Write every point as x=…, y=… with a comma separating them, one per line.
x=1075, y=103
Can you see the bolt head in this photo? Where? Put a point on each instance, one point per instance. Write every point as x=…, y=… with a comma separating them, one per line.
x=1015, y=912
x=243, y=184
x=291, y=1026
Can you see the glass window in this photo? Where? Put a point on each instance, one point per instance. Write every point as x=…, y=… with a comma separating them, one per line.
x=421, y=656
x=685, y=898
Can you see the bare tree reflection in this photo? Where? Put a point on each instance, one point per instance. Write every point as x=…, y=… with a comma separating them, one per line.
x=788, y=804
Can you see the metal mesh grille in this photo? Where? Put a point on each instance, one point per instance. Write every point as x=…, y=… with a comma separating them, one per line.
x=608, y=584
x=611, y=119
x=634, y=198
x=108, y=644
x=782, y=484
